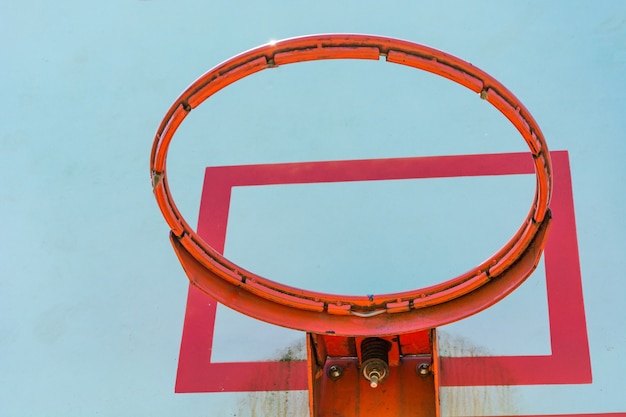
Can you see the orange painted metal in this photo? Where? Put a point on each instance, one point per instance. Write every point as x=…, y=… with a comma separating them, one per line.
x=378, y=314
x=337, y=387
x=428, y=317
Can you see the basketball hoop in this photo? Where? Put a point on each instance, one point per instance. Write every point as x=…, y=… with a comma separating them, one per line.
x=381, y=314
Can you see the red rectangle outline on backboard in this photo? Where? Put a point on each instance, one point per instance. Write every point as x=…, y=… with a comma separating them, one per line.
x=569, y=362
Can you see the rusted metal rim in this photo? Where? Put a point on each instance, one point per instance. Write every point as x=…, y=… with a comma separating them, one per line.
x=342, y=314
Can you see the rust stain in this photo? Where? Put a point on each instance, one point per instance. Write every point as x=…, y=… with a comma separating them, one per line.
x=278, y=403
x=455, y=401
x=294, y=352
x=478, y=400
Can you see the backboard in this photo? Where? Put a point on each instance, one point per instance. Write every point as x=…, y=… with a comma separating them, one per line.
x=273, y=168
x=562, y=357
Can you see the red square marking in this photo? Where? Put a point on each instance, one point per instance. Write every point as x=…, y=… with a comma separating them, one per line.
x=569, y=362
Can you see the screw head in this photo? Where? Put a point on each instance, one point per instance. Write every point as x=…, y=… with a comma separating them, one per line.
x=335, y=372
x=423, y=369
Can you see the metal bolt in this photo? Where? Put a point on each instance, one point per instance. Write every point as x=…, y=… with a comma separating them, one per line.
x=423, y=369
x=375, y=371
x=335, y=372
x=374, y=378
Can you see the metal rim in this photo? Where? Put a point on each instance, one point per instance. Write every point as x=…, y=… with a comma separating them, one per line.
x=355, y=310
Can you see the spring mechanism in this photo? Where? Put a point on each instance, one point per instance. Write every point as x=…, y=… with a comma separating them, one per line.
x=375, y=360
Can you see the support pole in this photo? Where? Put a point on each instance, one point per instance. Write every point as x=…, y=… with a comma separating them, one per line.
x=346, y=378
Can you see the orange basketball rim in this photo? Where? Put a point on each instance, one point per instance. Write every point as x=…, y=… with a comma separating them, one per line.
x=378, y=314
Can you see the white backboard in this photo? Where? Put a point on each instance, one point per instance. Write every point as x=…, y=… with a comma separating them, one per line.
x=94, y=302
